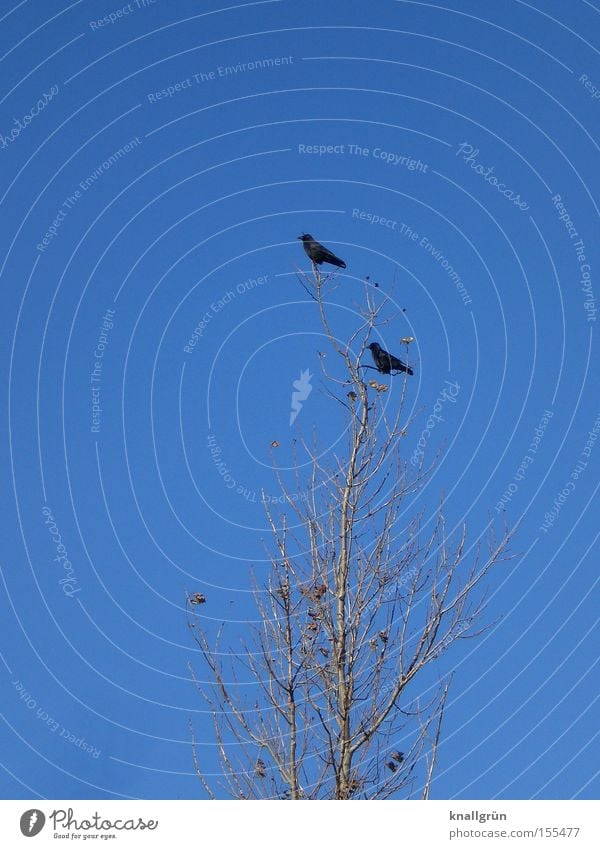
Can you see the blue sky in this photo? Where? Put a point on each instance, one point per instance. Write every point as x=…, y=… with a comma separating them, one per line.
x=169, y=169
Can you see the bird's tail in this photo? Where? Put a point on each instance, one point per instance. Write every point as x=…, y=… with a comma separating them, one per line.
x=332, y=259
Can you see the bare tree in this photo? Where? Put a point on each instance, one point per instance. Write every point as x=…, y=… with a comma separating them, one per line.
x=359, y=602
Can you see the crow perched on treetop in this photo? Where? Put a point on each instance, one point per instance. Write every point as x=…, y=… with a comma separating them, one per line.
x=319, y=254
x=385, y=362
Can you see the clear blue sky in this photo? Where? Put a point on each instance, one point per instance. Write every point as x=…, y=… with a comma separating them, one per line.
x=167, y=166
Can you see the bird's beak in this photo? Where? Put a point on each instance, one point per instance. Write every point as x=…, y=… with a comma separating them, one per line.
x=298, y=237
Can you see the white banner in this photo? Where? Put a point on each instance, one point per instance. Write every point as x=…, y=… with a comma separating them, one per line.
x=263, y=825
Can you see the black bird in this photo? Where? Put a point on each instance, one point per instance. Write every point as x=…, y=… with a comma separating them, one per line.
x=385, y=362
x=318, y=253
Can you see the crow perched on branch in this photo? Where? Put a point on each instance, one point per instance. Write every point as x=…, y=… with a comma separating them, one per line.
x=318, y=253
x=387, y=363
